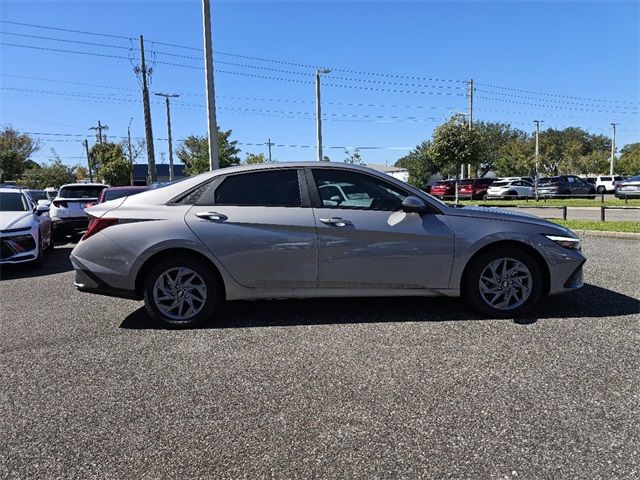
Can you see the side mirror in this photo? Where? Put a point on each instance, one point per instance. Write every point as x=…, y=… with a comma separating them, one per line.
x=40, y=209
x=413, y=204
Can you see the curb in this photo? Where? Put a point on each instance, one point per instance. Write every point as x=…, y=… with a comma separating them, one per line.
x=599, y=233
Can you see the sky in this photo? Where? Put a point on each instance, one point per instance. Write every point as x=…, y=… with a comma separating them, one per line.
x=398, y=70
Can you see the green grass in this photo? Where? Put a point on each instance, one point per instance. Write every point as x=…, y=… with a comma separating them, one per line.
x=614, y=226
x=569, y=202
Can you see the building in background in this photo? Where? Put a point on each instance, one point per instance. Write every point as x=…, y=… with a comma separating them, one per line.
x=141, y=173
x=399, y=173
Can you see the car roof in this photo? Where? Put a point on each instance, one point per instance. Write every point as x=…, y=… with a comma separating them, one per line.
x=11, y=189
x=84, y=185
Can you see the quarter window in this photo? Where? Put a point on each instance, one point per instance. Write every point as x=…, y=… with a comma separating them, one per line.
x=277, y=188
x=343, y=189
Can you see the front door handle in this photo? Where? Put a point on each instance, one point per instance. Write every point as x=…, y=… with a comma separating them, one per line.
x=337, y=221
x=215, y=216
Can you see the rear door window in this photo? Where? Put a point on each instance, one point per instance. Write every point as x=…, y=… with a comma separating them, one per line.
x=279, y=188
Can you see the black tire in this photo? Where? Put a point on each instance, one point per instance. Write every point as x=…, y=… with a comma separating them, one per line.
x=39, y=261
x=213, y=298
x=59, y=235
x=471, y=282
x=601, y=189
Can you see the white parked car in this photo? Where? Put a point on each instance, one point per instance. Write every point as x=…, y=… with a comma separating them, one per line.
x=505, y=188
x=25, y=228
x=605, y=183
x=67, y=209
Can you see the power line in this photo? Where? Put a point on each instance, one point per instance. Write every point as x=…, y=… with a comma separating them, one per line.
x=564, y=102
x=556, y=106
x=65, y=30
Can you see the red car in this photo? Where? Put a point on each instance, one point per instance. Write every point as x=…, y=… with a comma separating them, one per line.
x=474, y=188
x=112, y=193
x=444, y=189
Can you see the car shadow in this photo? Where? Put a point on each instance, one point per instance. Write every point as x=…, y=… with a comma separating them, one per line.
x=589, y=302
x=55, y=261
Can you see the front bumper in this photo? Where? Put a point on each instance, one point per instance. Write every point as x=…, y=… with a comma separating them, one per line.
x=18, y=248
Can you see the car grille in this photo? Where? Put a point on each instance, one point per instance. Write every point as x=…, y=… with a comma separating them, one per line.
x=10, y=246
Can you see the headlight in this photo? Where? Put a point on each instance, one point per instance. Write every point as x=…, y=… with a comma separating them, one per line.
x=566, y=242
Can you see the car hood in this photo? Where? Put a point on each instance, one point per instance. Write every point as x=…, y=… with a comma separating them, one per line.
x=10, y=220
x=493, y=213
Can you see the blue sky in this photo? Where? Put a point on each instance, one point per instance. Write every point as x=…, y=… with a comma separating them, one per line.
x=399, y=70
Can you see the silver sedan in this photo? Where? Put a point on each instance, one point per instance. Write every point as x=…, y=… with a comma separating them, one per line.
x=285, y=230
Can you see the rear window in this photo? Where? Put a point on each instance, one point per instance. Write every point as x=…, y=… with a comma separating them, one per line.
x=81, y=191
x=38, y=195
x=443, y=183
x=465, y=182
x=279, y=188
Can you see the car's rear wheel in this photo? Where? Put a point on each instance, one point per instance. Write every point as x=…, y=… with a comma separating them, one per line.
x=601, y=189
x=505, y=282
x=182, y=292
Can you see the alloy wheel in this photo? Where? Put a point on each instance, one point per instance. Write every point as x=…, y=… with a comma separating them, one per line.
x=505, y=284
x=179, y=293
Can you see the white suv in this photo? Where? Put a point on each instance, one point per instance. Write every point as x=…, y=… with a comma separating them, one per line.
x=67, y=209
x=605, y=183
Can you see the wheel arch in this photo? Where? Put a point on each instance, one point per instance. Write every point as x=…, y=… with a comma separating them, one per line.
x=544, y=268
x=172, y=253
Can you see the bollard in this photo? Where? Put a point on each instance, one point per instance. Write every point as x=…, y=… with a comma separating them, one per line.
x=602, y=209
x=602, y=197
x=564, y=212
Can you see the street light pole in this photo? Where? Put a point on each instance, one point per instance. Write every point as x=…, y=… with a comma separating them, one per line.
x=211, y=96
x=537, y=122
x=319, y=71
x=130, y=154
x=613, y=148
x=167, y=96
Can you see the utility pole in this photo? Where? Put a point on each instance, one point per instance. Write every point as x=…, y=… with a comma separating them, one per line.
x=470, y=94
x=147, y=116
x=537, y=122
x=613, y=148
x=86, y=149
x=270, y=144
x=319, y=71
x=130, y=154
x=99, y=129
x=214, y=163
x=167, y=96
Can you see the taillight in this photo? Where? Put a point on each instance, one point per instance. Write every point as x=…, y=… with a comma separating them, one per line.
x=98, y=224
x=58, y=204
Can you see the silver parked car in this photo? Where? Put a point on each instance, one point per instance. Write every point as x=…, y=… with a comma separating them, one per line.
x=315, y=230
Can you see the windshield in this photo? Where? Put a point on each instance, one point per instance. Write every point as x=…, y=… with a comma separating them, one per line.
x=38, y=195
x=13, y=202
x=81, y=191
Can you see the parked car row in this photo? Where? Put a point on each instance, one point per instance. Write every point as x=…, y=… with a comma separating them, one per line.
x=30, y=220
x=562, y=186
x=629, y=188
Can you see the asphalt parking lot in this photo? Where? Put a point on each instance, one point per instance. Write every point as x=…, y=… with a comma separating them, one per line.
x=384, y=388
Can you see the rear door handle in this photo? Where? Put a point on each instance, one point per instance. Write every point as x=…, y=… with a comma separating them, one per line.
x=215, y=216
x=337, y=221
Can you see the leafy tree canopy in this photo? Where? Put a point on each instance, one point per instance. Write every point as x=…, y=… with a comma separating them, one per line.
x=253, y=158
x=109, y=163
x=194, y=152
x=421, y=164
x=15, y=150
x=52, y=175
x=629, y=163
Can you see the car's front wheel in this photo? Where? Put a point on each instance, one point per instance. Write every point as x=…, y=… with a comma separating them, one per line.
x=505, y=282
x=182, y=292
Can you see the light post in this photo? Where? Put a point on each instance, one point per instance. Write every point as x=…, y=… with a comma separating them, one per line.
x=130, y=155
x=212, y=126
x=535, y=187
x=319, y=71
x=167, y=96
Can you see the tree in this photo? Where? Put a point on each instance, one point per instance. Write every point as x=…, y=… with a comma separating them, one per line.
x=629, y=162
x=81, y=172
x=138, y=146
x=15, y=150
x=516, y=158
x=494, y=138
x=454, y=145
x=253, y=158
x=354, y=157
x=109, y=163
x=420, y=163
x=194, y=152
x=44, y=175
